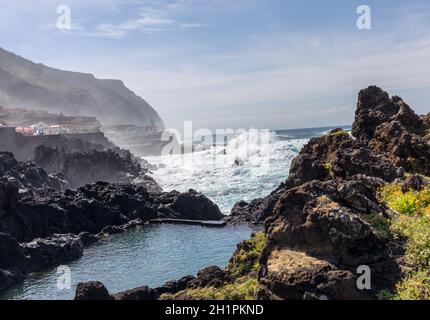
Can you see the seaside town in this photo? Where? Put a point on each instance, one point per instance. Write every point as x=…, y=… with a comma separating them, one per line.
x=29, y=123
x=38, y=122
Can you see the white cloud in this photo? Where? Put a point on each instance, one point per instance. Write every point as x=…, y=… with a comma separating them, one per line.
x=187, y=25
x=280, y=86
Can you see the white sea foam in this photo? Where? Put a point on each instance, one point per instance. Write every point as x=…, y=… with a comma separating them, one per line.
x=248, y=167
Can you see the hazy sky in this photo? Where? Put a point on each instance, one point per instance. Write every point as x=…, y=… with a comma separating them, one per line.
x=230, y=63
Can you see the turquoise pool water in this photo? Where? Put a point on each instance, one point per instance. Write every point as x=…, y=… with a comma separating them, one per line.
x=149, y=256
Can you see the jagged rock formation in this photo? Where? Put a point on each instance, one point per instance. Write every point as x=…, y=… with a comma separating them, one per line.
x=30, y=85
x=92, y=290
x=24, y=146
x=17, y=260
x=390, y=127
x=319, y=236
x=25, y=177
x=93, y=207
x=332, y=156
x=317, y=227
x=321, y=228
x=42, y=225
x=81, y=168
x=256, y=211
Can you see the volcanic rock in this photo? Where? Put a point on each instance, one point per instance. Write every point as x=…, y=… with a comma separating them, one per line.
x=337, y=155
x=414, y=182
x=209, y=277
x=53, y=251
x=88, y=238
x=17, y=260
x=390, y=127
x=256, y=211
x=141, y=293
x=81, y=168
x=92, y=291
x=25, y=175
x=94, y=207
x=189, y=205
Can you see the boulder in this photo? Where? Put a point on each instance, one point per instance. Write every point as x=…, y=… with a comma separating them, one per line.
x=17, y=260
x=209, y=277
x=7, y=162
x=321, y=222
x=87, y=238
x=337, y=155
x=254, y=212
x=12, y=255
x=116, y=207
x=9, y=278
x=175, y=286
x=188, y=205
x=142, y=293
x=97, y=291
x=414, y=182
x=43, y=253
x=92, y=290
x=292, y=275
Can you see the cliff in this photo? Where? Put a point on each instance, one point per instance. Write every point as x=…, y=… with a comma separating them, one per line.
x=35, y=86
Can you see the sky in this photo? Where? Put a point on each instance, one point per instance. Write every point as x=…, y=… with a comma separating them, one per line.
x=233, y=63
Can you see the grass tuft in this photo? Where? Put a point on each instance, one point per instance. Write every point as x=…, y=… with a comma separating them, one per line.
x=242, y=289
x=411, y=221
x=416, y=286
x=246, y=259
x=380, y=224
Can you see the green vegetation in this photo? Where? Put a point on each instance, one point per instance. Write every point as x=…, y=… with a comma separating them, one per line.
x=243, y=268
x=409, y=203
x=329, y=168
x=380, y=224
x=339, y=133
x=242, y=289
x=411, y=222
x=245, y=260
x=416, y=286
x=385, y=295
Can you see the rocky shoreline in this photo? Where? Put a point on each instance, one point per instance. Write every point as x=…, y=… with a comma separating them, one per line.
x=47, y=219
x=324, y=222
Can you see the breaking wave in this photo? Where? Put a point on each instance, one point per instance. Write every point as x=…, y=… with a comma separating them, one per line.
x=250, y=166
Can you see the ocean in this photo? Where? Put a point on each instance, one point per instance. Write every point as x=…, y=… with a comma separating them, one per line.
x=212, y=172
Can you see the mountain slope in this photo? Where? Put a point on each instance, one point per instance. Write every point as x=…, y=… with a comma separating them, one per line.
x=35, y=86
